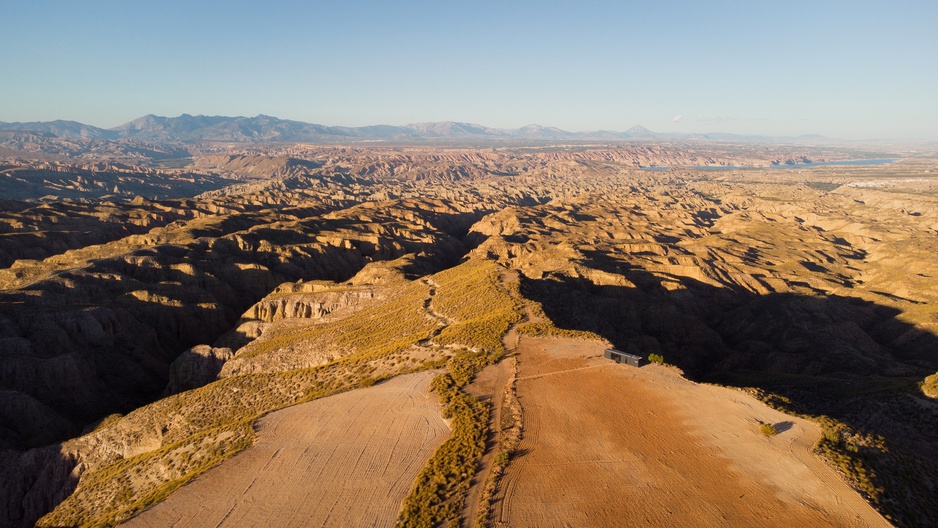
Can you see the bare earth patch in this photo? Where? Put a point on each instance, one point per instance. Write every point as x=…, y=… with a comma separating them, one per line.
x=488, y=385
x=612, y=445
x=346, y=460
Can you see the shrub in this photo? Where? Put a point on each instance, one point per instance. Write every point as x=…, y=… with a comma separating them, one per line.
x=768, y=429
x=840, y=445
x=930, y=386
x=656, y=358
x=440, y=489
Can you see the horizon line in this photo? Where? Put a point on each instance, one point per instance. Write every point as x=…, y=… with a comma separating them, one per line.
x=769, y=136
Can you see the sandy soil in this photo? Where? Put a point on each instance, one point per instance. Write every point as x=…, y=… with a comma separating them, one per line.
x=346, y=460
x=611, y=445
x=488, y=385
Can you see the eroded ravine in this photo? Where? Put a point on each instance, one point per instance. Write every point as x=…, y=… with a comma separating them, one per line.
x=746, y=278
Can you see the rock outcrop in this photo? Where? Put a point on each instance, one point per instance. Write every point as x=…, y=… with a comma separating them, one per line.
x=305, y=305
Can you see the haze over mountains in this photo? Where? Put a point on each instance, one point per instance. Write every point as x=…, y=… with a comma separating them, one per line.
x=263, y=128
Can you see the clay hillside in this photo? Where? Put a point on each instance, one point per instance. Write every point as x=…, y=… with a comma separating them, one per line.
x=217, y=333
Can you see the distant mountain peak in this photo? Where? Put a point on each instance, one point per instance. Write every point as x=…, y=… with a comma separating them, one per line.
x=61, y=128
x=265, y=128
x=638, y=131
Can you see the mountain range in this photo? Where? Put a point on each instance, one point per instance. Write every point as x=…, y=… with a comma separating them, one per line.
x=263, y=128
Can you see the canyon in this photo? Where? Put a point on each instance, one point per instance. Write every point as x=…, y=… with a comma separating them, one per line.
x=157, y=300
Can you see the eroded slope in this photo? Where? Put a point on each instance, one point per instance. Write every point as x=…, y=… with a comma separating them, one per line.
x=814, y=287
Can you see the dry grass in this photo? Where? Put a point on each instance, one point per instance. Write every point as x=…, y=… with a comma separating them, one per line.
x=440, y=489
x=482, y=307
x=203, y=427
x=847, y=450
x=387, y=328
x=510, y=431
x=473, y=295
x=346, y=460
x=538, y=324
x=549, y=330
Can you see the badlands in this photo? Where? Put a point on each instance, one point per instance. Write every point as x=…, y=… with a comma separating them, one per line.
x=295, y=335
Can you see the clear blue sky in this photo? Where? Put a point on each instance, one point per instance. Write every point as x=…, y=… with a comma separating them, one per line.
x=847, y=69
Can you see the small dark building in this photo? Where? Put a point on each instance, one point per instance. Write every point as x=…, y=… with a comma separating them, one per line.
x=622, y=357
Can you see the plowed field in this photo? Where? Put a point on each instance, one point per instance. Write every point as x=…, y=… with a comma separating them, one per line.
x=612, y=445
x=346, y=460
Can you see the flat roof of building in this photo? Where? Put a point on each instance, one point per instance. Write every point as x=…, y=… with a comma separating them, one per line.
x=621, y=353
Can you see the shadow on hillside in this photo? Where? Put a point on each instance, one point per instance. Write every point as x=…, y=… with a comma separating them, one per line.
x=100, y=339
x=34, y=483
x=781, y=427
x=843, y=357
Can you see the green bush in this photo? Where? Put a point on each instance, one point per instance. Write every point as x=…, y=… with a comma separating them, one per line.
x=656, y=358
x=768, y=429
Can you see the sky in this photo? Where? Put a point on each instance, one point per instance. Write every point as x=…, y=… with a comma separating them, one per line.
x=844, y=69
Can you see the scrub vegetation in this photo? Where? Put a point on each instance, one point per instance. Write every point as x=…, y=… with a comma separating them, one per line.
x=473, y=295
x=440, y=489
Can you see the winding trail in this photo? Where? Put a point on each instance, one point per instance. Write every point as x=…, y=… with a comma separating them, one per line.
x=442, y=320
x=492, y=384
